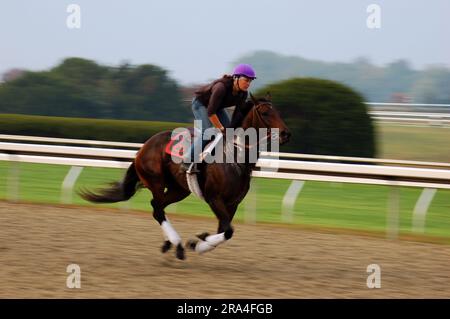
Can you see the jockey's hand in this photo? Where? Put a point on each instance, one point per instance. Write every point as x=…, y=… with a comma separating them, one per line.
x=216, y=122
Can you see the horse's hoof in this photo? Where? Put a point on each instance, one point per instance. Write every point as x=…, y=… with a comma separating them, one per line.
x=203, y=236
x=180, y=252
x=166, y=246
x=191, y=244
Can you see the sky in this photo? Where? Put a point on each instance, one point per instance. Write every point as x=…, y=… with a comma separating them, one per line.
x=197, y=40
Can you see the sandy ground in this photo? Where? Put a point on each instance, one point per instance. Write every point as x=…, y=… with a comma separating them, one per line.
x=119, y=256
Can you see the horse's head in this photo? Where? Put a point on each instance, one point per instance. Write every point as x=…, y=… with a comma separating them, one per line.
x=264, y=115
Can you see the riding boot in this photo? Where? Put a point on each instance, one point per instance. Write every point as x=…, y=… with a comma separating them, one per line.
x=189, y=166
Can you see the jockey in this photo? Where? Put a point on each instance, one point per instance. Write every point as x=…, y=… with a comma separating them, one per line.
x=209, y=103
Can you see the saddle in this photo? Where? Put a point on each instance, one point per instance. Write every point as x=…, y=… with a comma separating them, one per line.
x=176, y=146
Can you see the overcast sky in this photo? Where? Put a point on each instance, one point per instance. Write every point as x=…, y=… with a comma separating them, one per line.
x=197, y=39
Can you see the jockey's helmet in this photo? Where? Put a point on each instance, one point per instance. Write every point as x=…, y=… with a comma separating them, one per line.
x=244, y=70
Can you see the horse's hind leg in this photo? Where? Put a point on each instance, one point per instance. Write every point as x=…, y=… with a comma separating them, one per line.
x=160, y=201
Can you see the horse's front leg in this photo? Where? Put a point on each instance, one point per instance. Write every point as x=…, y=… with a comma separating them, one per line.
x=225, y=231
x=207, y=242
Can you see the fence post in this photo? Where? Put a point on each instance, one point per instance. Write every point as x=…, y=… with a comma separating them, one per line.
x=68, y=184
x=393, y=213
x=289, y=201
x=13, y=180
x=421, y=208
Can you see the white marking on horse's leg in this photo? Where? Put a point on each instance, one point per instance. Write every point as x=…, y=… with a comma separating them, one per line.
x=216, y=239
x=170, y=233
x=210, y=242
x=203, y=247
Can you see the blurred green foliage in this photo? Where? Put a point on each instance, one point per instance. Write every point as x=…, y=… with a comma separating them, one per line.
x=97, y=129
x=324, y=117
x=82, y=88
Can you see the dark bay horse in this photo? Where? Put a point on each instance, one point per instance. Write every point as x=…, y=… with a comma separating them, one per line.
x=224, y=185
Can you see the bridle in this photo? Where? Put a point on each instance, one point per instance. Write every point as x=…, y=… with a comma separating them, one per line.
x=257, y=117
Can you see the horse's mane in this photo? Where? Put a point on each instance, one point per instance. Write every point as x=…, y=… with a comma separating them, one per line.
x=264, y=100
x=241, y=114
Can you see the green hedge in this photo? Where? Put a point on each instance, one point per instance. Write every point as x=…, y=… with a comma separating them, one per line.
x=83, y=128
x=325, y=117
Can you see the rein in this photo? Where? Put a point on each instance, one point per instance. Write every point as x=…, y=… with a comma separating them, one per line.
x=256, y=116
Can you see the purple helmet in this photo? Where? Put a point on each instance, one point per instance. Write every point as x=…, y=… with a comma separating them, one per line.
x=245, y=70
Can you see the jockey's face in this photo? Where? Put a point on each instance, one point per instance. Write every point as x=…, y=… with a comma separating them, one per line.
x=243, y=83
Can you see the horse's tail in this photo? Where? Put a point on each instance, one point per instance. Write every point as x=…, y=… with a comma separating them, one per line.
x=118, y=191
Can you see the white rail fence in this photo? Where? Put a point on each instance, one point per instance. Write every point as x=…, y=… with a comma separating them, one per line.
x=411, y=118
x=295, y=167
x=410, y=113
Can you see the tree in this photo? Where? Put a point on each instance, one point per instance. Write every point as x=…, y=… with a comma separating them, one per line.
x=325, y=117
x=433, y=86
x=82, y=88
x=12, y=74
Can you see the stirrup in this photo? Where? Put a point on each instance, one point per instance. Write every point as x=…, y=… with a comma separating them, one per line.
x=193, y=169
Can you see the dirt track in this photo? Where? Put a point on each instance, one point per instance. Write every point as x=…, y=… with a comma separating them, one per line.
x=119, y=256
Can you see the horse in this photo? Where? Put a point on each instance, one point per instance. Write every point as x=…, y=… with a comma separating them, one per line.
x=224, y=185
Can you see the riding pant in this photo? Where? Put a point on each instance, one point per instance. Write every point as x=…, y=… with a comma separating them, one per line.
x=201, y=114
